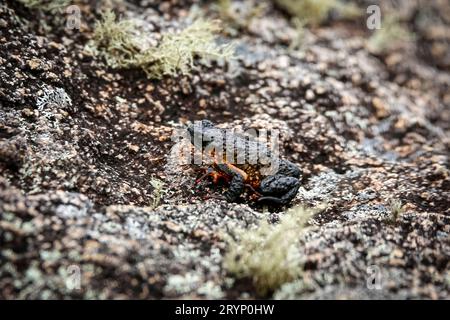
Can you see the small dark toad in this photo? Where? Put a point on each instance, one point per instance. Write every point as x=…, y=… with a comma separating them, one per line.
x=278, y=186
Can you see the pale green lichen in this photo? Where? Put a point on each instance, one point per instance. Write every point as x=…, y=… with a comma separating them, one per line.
x=238, y=15
x=314, y=12
x=391, y=34
x=176, y=52
x=158, y=191
x=396, y=210
x=269, y=254
x=300, y=34
x=45, y=5
x=117, y=43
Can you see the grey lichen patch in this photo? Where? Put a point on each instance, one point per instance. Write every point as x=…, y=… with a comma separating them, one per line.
x=182, y=284
x=119, y=44
x=110, y=227
x=50, y=256
x=72, y=211
x=137, y=227
x=290, y=290
x=52, y=98
x=321, y=187
x=211, y=290
x=45, y=155
x=269, y=254
x=364, y=211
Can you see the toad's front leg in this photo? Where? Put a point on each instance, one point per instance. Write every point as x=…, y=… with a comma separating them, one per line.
x=237, y=183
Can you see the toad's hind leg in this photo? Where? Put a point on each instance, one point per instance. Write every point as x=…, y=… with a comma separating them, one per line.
x=236, y=188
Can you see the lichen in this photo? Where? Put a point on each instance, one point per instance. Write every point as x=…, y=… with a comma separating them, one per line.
x=315, y=12
x=53, y=98
x=158, y=190
x=396, y=210
x=391, y=34
x=292, y=290
x=177, y=51
x=182, y=284
x=116, y=41
x=269, y=254
x=45, y=5
x=238, y=16
x=300, y=34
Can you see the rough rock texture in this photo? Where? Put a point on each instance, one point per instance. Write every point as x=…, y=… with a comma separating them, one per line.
x=80, y=143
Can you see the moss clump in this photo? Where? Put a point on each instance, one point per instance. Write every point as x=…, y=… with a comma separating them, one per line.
x=315, y=12
x=117, y=42
x=45, y=5
x=269, y=255
x=391, y=34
